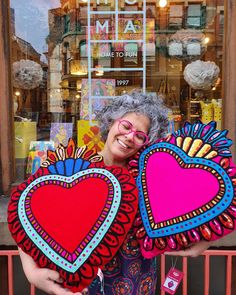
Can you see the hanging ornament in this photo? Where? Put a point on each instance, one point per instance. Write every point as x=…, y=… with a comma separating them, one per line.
x=187, y=44
x=201, y=74
x=27, y=74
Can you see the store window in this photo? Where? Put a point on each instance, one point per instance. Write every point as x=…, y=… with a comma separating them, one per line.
x=167, y=47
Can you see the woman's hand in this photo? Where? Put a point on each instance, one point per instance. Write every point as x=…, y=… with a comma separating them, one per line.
x=193, y=251
x=42, y=278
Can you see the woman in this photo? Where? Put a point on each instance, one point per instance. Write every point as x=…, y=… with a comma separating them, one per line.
x=127, y=124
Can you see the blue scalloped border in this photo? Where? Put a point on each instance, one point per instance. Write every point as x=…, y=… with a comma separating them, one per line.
x=195, y=222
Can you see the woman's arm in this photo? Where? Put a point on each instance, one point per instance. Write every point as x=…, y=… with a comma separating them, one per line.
x=192, y=251
x=42, y=278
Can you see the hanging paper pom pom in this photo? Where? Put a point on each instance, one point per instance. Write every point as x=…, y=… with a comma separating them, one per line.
x=27, y=74
x=201, y=74
x=187, y=44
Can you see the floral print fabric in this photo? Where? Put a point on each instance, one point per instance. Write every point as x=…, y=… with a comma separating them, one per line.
x=128, y=273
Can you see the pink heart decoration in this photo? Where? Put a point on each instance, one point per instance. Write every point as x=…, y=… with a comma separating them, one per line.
x=187, y=185
x=171, y=180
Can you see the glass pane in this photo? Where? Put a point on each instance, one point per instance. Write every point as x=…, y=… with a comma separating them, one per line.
x=63, y=50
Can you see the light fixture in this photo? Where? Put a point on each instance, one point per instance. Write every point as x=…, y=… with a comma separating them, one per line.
x=78, y=85
x=77, y=96
x=217, y=82
x=99, y=72
x=206, y=40
x=162, y=3
x=76, y=68
x=17, y=93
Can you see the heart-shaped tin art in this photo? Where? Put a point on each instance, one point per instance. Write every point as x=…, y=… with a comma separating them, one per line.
x=73, y=214
x=186, y=189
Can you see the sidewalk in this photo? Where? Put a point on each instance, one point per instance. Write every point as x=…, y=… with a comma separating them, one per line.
x=5, y=237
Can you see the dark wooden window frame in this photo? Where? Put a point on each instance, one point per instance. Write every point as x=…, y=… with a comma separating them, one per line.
x=229, y=72
x=6, y=101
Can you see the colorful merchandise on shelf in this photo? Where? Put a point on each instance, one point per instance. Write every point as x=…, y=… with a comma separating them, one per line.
x=207, y=112
x=217, y=107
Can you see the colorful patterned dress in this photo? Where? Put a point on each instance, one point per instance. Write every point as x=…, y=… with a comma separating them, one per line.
x=128, y=273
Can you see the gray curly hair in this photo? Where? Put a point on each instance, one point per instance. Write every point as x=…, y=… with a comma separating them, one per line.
x=148, y=104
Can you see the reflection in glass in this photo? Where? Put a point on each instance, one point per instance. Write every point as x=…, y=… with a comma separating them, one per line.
x=51, y=58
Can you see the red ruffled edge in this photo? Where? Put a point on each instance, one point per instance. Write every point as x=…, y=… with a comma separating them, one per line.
x=218, y=227
x=111, y=242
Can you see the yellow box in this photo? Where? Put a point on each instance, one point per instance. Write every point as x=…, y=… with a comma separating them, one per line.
x=25, y=132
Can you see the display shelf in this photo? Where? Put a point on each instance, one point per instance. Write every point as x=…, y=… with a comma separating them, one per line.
x=193, y=106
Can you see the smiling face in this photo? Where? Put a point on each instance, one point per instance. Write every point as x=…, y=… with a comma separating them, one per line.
x=118, y=147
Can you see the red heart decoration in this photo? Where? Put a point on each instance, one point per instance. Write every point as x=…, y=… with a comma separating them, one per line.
x=73, y=215
x=69, y=225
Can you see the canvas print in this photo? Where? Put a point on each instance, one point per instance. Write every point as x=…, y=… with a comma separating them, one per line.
x=60, y=133
x=89, y=135
x=37, y=155
x=100, y=87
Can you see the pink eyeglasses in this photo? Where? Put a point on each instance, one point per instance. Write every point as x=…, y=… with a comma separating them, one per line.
x=139, y=138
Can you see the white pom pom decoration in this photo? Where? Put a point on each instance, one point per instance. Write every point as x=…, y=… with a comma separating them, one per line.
x=187, y=44
x=175, y=48
x=27, y=74
x=201, y=74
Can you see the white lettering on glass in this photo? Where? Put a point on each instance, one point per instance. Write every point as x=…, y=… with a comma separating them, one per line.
x=130, y=27
x=98, y=2
x=130, y=2
x=100, y=26
x=107, y=54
